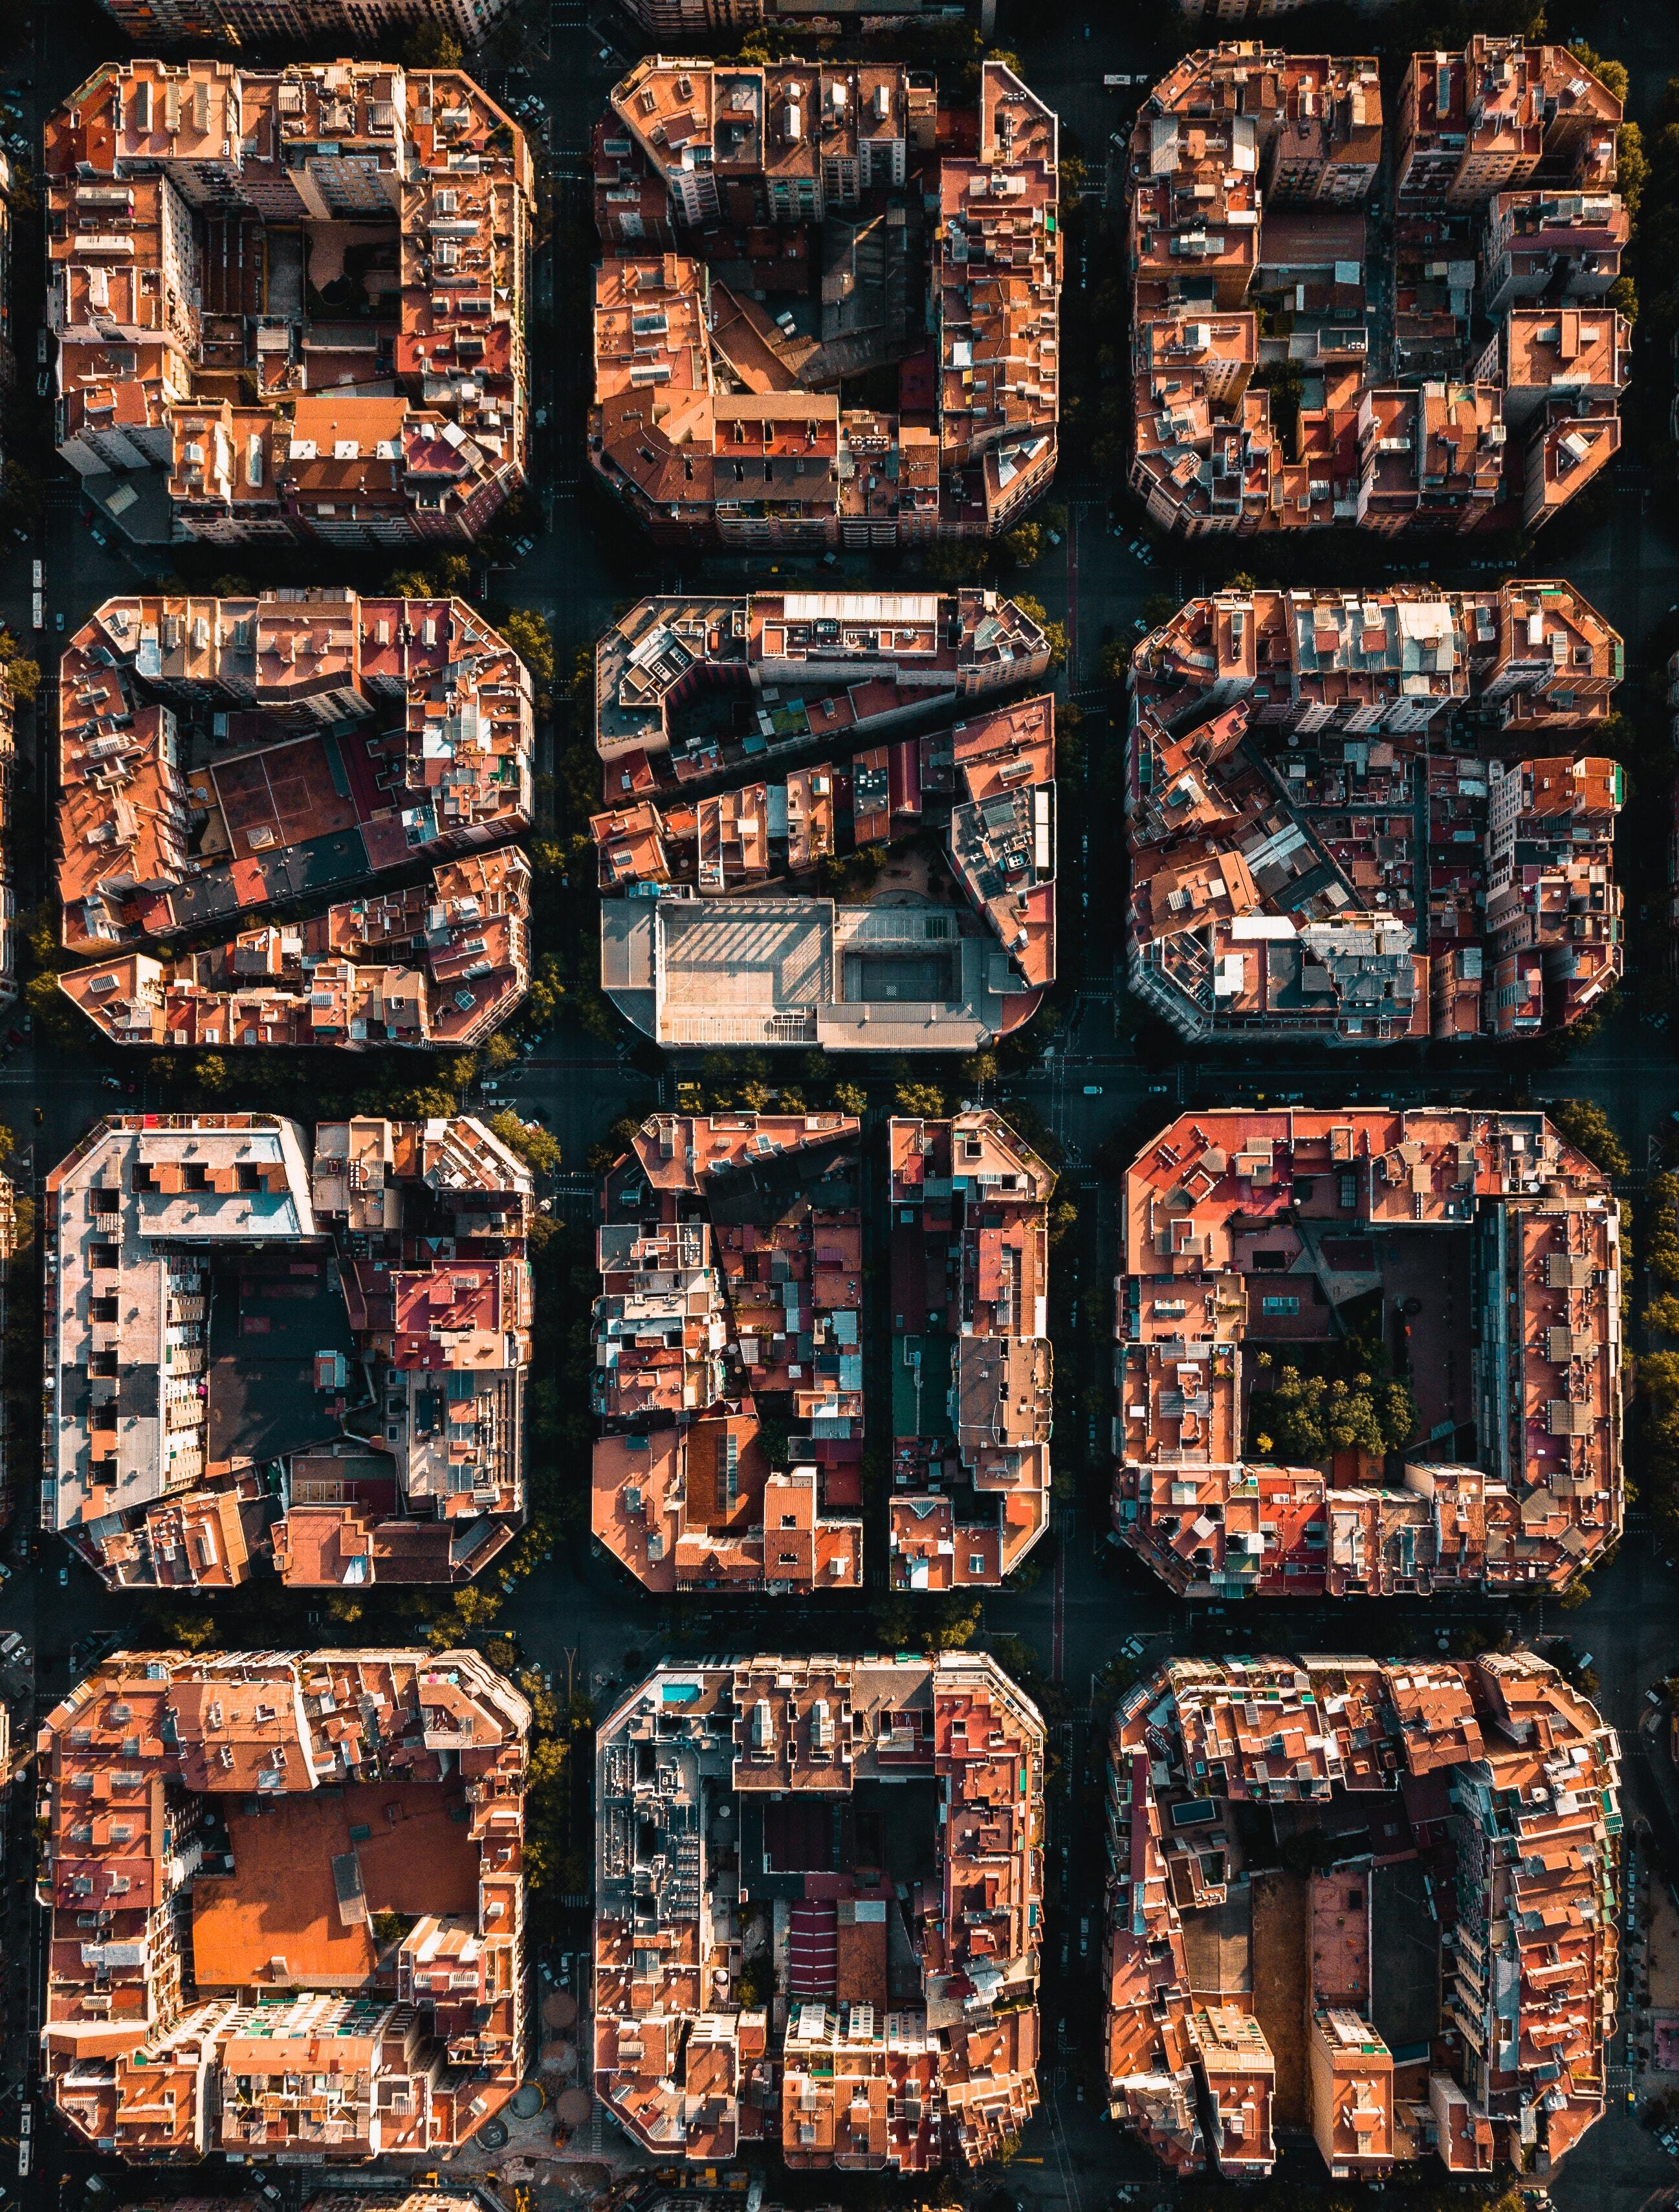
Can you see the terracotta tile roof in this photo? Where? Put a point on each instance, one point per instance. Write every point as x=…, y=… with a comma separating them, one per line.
x=138, y=163
x=1244, y=1225
x=291, y=2021
x=1526, y=1921
x=853, y=2077
x=1246, y=167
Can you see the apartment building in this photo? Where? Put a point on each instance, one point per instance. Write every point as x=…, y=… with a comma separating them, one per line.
x=711, y=931
x=8, y=354
x=166, y=22
x=1259, y=11
x=819, y=1888
x=439, y=965
x=1365, y=816
x=1374, y=1899
x=1500, y=116
x=1538, y=242
x=7, y=1250
x=221, y=757
x=829, y=18
x=728, y=1354
x=8, y=894
x=796, y=670
x=973, y=1367
x=1256, y=1239
x=287, y=1901
x=770, y=232
x=1413, y=382
x=289, y=303
x=269, y=1357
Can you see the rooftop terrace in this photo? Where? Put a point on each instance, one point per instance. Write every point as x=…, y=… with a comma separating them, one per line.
x=773, y=230
x=1439, y=1983
x=264, y=1359
x=282, y=1807
x=1491, y=1252
x=289, y=303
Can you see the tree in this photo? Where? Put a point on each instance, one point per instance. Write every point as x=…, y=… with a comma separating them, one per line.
x=1608, y=71
x=955, y=1623
x=526, y=629
x=1590, y=1130
x=1285, y=382
x=410, y=584
x=472, y=1608
x=1632, y=166
x=850, y=1098
x=979, y=1069
x=1113, y=660
x=542, y=999
x=956, y=563
x=537, y=1147
x=1158, y=608
x=1661, y=1257
x=24, y=674
x=500, y=1051
x=1396, y=1415
x=1308, y=1417
x=429, y=46
x=1024, y=544
x=1661, y=1315
x=924, y=1099
x=191, y=1631
x=895, y=1624
x=1055, y=633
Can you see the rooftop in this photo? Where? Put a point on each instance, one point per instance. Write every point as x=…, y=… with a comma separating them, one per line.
x=1491, y=1953
x=263, y=1359
x=899, y=2031
x=289, y=301
x=280, y=1805
x=772, y=231
x=1247, y=1229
